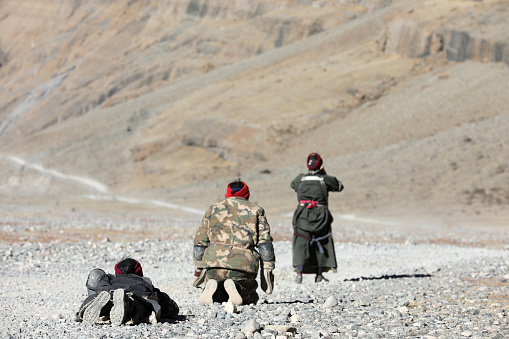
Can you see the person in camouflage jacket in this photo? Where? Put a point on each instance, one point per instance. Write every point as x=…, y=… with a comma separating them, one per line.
x=225, y=252
x=313, y=245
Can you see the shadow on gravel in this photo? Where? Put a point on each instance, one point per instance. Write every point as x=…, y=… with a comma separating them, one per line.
x=177, y=319
x=393, y=276
x=290, y=302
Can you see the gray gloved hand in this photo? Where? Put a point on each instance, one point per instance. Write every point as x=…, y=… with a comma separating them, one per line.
x=267, y=281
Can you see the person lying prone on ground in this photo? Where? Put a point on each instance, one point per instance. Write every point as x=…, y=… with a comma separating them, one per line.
x=124, y=298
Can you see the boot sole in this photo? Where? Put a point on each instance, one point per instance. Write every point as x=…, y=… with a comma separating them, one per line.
x=233, y=293
x=206, y=296
x=93, y=311
x=118, y=311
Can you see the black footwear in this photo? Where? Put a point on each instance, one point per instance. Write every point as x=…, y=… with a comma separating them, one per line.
x=320, y=278
x=233, y=293
x=123, y=306
x=138, y=310
x=95, y=307
x=298, y=279
x=210, y=288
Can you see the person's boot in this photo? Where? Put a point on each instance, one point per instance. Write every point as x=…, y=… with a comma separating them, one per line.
x=300, y=270
x=231, y=288
x=138, y=311
x=207, y=296
x=96, y=308
x=123, y=308
x=320, y=278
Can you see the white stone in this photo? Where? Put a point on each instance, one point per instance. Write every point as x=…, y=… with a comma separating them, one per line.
x=251, y=326
x=230, y=307
x=330, y=302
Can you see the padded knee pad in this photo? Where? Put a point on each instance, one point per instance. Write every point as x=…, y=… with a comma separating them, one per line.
x=266, y=251
x=198, y=251
x=95, y=277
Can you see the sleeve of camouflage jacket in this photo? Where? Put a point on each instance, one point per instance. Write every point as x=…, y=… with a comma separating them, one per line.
x=264, y=236
x=201, y=237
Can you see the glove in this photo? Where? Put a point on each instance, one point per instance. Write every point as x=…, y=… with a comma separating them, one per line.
x=267, y=281
x=199, y=276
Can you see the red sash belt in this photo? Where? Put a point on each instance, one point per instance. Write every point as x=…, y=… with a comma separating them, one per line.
x=310, y=203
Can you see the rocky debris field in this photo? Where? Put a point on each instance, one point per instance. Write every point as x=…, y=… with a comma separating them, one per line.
x=383, y=289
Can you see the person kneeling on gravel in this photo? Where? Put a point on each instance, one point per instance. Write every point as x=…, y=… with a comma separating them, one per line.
x=124, y=298
x=224, y=249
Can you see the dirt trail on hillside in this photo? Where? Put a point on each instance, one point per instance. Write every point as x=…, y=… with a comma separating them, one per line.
x=413, y=124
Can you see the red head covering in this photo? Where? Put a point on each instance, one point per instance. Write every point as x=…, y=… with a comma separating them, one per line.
x=314, y=161
x=236, y=191
x=136, y=270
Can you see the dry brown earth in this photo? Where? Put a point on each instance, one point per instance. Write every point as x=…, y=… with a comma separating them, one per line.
x=170, y=100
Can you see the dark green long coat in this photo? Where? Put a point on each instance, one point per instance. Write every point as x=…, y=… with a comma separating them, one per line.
x=315, y=222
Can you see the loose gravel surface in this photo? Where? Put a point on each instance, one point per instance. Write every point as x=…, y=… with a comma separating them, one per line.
x=414, y=288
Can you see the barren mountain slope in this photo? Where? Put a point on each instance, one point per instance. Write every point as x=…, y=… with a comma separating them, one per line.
x=405, y=101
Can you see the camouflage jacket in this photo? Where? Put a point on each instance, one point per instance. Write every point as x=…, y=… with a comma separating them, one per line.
x=230, y=231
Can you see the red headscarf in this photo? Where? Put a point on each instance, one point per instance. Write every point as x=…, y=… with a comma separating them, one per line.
x=314, y=161
x=137, y=269
x=235, y=192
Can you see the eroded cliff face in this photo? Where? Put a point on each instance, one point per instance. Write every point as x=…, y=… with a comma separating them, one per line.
x=459, y=33
x=66, y=60
x=169, y=97
x=78, y=56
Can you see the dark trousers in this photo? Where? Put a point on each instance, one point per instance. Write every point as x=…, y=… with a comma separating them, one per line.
x=245, y=282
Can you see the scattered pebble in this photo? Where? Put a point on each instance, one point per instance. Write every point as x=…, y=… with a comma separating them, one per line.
x=382, y=290
x=330, y=302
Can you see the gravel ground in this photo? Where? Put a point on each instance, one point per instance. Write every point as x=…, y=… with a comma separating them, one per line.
x=381, y=290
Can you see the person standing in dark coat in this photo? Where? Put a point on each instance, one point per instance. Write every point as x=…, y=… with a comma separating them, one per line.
x=313, y=245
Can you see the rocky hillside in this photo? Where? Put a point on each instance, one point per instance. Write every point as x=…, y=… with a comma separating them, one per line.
x=163, y=103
